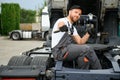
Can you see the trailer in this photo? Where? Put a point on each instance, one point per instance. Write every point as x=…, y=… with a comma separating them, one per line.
x=38, y=64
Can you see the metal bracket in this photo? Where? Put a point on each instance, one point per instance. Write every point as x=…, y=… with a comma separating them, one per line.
x=115, y=64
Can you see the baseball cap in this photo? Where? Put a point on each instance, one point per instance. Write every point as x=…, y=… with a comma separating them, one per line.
x=75, y=7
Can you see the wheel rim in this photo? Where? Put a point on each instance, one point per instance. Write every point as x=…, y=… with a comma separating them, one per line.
x=15, y=36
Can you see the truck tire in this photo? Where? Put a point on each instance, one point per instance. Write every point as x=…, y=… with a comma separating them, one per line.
x=15, y=36
x=19, y=61
x=39, y=61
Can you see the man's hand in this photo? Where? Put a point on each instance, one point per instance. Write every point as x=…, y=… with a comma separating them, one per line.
x=90, y=30
x=63, y=28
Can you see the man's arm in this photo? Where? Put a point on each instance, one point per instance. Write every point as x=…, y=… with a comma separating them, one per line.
x=82, y=40
x=60, y=24
x=77, y=38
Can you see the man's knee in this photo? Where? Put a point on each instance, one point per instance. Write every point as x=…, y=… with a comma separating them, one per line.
x=83, y=62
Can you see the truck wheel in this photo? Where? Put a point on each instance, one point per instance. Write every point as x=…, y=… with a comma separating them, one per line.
x=15, y=36
x=39, y=61
x=19, y=61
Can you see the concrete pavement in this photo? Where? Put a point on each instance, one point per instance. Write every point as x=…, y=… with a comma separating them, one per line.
x=9, y=48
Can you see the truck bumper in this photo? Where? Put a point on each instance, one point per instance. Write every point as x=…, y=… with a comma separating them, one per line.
x=20, y=73
x=76, y=74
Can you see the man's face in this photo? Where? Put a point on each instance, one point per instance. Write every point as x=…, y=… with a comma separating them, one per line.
x=75, y=14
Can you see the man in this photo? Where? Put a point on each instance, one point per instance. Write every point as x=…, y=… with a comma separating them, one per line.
x=77, y=50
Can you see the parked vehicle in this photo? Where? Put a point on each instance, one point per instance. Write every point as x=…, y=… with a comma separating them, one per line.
x=42, y=32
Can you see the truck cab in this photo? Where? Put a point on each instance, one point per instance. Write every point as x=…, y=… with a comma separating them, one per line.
x=45, y=22
x=107, y=13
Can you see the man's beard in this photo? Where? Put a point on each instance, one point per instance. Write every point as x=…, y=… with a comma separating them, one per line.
x=72, y=19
